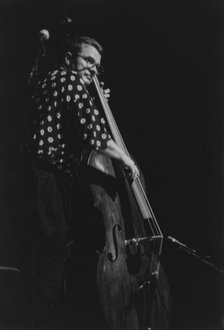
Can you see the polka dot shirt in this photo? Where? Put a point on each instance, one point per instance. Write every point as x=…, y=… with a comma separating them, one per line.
x=66, y=121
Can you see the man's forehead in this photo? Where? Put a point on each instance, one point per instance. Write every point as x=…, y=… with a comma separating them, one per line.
x=90, y=50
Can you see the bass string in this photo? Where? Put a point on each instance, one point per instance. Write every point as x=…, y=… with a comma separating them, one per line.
x=138, y=190
x=110, y=118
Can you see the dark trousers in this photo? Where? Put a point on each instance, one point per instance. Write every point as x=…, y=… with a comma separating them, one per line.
x=49, y=239
x=64, y=279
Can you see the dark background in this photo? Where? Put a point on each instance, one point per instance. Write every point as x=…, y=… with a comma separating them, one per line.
x=164, y=65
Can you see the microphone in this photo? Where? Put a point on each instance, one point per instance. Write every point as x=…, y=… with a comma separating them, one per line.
x=43, y=35
x=205, y=259
x=174, y=240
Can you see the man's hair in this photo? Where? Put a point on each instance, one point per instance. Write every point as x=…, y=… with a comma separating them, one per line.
x=75, y=45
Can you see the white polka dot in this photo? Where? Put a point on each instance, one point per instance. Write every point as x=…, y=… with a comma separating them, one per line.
x=51, y=150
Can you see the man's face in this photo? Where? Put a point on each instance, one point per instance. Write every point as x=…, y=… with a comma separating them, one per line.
x=87, y=61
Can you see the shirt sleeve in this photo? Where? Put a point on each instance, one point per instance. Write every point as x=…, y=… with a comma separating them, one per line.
x=90, y=121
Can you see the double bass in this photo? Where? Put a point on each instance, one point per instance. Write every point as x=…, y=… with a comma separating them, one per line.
x=129, y=263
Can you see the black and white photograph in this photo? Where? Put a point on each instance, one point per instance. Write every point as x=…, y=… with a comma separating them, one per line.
x=111, y=164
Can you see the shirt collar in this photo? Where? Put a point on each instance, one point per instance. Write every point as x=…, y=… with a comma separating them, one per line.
x=68, y=62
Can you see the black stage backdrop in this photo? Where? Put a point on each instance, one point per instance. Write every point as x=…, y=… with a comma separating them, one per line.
x=164, y=65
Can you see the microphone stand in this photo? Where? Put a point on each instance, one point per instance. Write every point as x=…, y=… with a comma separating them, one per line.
x=195, y=254
x=28, y=115
x=33, y=72
x=9, y=268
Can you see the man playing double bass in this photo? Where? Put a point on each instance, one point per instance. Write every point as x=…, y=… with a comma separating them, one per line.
x=66, y=126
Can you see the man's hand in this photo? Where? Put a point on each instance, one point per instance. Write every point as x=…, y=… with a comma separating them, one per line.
x=114, y=151
x=131, y=166
x=106, y=91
